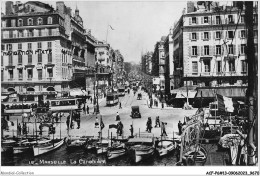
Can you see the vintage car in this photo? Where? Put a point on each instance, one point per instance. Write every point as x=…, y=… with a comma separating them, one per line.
x=139, y=96
x=135, y=112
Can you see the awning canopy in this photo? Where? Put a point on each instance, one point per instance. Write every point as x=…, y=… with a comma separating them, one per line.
x=78, y=92
x=225, y=91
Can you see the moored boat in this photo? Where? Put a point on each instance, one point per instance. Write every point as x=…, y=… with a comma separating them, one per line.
x=196, y=156
x=117, y=149
x=45, y=148
x=75, y=144
x=141, y=148
x=102, y=146
x=7, y=145
x=165, y=146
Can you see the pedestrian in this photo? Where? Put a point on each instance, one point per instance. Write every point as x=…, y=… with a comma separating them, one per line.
x=68, y=122
x=149, y=125
x=24, y=128
x=90, y=99
x=119, y=128
x=19, y=129
x=120, y=105
x=132, y=131
x=162, y=105
x=157, y=122
x=97, y=123
x=128, y=91
x=84, y=108
x=180, y=127
x=72, y=121
x=87, y=109
x=117, y=117
x=78, y=120
x=163, y=129
x=40, y=127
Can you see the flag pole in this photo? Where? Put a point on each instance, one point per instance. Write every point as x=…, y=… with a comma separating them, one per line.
x=107, y=33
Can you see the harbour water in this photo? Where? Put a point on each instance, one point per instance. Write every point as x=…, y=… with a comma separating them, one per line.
x=80, y=157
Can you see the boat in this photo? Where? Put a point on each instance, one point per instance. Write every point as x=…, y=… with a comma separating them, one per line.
x=27, y=146
x=7, y=145
x=118, y=148
x=141, y=148
x=47, y=147
x=91, y=144
x=165, y=146
x=101, y=146
x=196, y=156
x=73, y=144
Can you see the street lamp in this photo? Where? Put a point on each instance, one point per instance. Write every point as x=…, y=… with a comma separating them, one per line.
x=96, y=95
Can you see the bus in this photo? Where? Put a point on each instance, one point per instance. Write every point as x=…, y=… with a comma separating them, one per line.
x=63, y=104
x=112, y=99
x=121, y=91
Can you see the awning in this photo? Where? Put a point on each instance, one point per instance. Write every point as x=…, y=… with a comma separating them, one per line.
x=4, y=97
x=225, y=91
x=77, y=92
x=191, y=94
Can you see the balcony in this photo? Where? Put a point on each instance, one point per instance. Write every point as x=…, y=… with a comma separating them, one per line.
x=32, y=35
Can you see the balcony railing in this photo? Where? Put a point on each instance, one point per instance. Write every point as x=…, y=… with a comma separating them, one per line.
x=28, y=35
x=192, y=74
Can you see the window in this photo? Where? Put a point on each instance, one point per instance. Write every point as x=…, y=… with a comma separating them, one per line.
x=194, y=20
x=243, y=49
x=3, y=23
x=30, y=73
x=242, y=18
x=243, y=66
x=218, y=20
x=50, y=32
x=20, y=33
x=40, y=32
x=194, y=50
x=195, y=83
x=11, y=74
x=194, y=36
x=19, y=46
x=194, y=67
x=243, y=34
x=231, y=64
x=219, y=81
x=219, y=67
x=230, y=34
x=30, y=33
x=40, y=74
x=20, y=59
x=255, y=33
x=218, y=49
x=49, y=58
x=206, y=83
x=13, y=21
x=2, y=75
x=218, y=35
x=49, y=20
x=230, y=49
x=206, y=19
x=20, y=22
x=207, y=65
x=9, y=47
x=10, y=60
x=2, y=60
x=230, y=19
x=171, y=87
x=50, y=72
x=29, y=59
x=20, y=73
x=49, y=45
x=39, y=58
x=29, y=46
x=231, y=81
x=30, y=22
x=256, y=48
x=40, y=21
x=255, y=18
x=206, y=50
x=206, y=35
x=11, y=34
x=39, y=45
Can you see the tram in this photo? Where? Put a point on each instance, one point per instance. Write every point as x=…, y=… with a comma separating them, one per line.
x=63, y=104
x=121, y=91
x=112, y=99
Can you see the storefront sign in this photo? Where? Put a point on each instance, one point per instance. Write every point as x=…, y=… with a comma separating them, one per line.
x=27, y=52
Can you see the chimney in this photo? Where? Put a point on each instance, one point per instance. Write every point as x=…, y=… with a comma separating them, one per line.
x=9, y=8
x=60, y=7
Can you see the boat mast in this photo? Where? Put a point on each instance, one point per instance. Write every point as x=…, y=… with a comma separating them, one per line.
x=252, y=85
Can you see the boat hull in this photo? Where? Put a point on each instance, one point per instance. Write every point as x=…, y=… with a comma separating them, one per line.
x=101, y=150
x=115, y=153
x=21, y=149
x=39, y=150
x=143, y=154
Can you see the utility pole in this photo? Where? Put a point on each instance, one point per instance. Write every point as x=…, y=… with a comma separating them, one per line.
x=251, y=94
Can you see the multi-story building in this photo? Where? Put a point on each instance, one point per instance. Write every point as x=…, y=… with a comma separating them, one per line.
x=214, y=49
x=118, y=68
x=35, y=53
x=146, y=63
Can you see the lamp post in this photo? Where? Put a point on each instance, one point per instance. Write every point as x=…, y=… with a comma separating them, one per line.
x=96, y=95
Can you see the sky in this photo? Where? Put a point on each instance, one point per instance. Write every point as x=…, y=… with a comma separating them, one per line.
x=137, y=25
